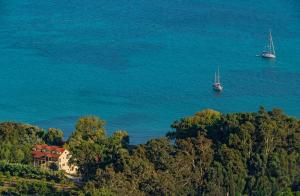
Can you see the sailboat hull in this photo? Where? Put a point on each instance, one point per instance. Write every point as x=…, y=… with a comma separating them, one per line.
x=217, y=87
x=268, y=55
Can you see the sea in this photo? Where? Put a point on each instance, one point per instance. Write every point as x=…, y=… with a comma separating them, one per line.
x=140, y=64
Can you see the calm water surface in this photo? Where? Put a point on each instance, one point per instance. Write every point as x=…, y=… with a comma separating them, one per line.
x=141, y=64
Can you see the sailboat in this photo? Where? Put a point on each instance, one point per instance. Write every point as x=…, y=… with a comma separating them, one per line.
x=217, y=84
x=270, y=52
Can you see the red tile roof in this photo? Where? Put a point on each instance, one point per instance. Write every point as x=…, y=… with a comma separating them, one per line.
x=37, y=152
x=44, y=154
x=50, y=148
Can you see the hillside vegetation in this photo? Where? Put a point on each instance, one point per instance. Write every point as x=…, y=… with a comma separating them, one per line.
x=206, y=154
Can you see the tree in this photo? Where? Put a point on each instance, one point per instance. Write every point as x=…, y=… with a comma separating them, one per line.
x=192, y=126
x=90, y=128
x=209, y=153
x=54, y=137
x=121, y=137
x=17, y=140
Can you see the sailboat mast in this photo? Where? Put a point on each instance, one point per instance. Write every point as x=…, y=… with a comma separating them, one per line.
x=215, y=77
x=218, y=75
x=272, y=44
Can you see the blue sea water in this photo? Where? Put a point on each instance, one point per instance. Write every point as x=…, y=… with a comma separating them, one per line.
x=142, y=64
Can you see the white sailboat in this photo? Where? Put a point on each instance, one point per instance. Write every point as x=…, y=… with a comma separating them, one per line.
x=217, y=84
x=270, y=52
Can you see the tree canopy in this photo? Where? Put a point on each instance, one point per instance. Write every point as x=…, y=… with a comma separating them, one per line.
x=210, y=153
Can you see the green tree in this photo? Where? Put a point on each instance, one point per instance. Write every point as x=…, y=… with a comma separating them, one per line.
x=192, y=126
x=54, y=137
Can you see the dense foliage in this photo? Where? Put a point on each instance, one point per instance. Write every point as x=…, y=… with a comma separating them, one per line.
x=92, y=149
x=17, y=140
x=31, y=172
x=17, y=175
x=206, y=154
x=18, y=179
x=19, y=186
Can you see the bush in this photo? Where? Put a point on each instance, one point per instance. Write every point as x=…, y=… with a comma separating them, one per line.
x=27, y=171
x=41, y=188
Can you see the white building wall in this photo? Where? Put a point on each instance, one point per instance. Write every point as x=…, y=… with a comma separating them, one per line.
x=63, y=163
